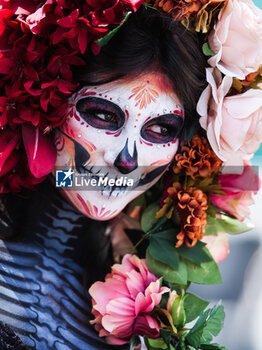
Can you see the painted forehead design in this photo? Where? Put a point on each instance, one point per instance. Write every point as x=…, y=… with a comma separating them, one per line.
x=140, y=94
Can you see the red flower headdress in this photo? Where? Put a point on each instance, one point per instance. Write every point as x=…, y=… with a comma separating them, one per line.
x=40, y=42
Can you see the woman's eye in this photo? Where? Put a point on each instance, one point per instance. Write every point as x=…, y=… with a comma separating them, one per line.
x=106, y=117
x=162, y=129
x=100, y=113
x=158, y=129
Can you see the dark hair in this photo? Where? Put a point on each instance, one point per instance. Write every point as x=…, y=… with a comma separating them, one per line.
x=149, y=39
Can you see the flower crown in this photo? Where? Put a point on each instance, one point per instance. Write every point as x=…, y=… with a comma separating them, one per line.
x=185, y=216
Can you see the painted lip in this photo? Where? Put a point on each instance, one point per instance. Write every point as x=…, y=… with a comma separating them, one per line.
x=116, y=191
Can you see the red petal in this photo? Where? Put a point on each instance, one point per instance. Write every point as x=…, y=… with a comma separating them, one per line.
x=8, y=149
x=69, y=21
x=82, y=41
x=95, y=48
x=41, y=152
x=132, y=4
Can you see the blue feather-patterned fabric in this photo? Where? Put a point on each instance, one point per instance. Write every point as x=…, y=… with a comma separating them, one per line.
x=45, y=273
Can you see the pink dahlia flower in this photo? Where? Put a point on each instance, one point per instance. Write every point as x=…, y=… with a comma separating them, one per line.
x=239, y=190
x=121, y=304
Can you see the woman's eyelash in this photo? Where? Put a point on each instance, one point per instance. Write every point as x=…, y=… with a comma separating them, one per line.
x=100, y=113
x=158, y=129
x=162, y=129
x=107, y=116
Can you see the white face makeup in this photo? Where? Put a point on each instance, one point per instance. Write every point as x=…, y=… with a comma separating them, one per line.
x=125, y=128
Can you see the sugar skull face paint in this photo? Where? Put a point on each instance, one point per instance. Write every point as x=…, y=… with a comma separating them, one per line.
x=126, y=128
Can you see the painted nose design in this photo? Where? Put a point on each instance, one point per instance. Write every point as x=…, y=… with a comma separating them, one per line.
x=124, y=162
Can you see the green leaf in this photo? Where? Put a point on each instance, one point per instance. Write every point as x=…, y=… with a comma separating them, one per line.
x=134, y=342
x=213, y=346
x=207, y=273
x=205, y=183
x=197, y=254
x=226, y=224
x=103, y=41
x=157, y=343
x=214, y=324
x=208, y=325
x=162, y=248
x=149, y=217
x=169, y=274
x=231, y=225
x=211, y=210
x=194, y=336
x=166, y=335
x=206, y=50
x=153, y=347
x=212, y=226
x=193, y=306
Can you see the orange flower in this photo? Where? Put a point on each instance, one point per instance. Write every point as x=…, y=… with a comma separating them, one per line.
x=199, y=11
x=191, y=206
x=196, y=158
x=182, y=8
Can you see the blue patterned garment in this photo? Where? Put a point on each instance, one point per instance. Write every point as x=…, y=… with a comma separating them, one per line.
x=42, y=278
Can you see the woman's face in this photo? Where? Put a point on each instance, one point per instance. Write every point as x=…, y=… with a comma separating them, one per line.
x=126, y=131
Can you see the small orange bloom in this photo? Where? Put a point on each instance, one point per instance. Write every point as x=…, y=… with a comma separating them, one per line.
x=191, y=206
x=196, y=158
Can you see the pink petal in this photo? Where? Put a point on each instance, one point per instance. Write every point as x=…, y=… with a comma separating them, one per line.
x=135, y=283
x=103, y=292
x=116, y=341
x=217, y=245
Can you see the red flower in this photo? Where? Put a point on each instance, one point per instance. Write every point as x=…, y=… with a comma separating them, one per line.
x=80, y=32
x=60, y=64
x=5, y=16
x=111, y=12
x=8, y=29
x=20, y=7
x=40, y=41
x=8, y=104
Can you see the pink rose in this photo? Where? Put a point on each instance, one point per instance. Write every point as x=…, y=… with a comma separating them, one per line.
x=218, y=246
x=239, y=189
x=121, y=304
x=237, y=39
x=233, y=123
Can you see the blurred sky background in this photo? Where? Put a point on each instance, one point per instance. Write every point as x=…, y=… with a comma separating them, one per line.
x=241, y=291
x=259, y=4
